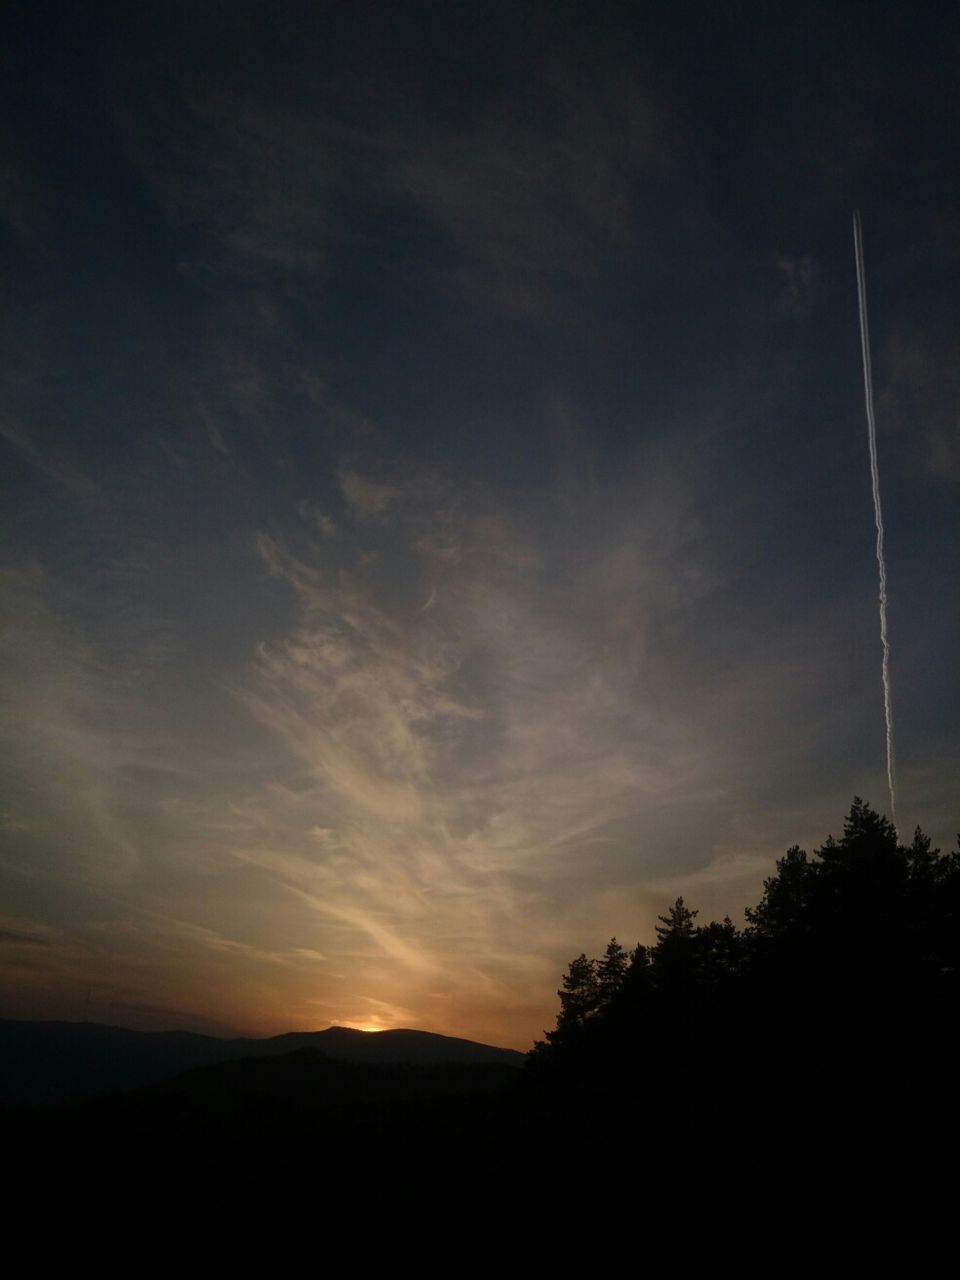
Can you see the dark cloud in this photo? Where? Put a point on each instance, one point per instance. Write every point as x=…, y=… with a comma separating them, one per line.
x=16, y=937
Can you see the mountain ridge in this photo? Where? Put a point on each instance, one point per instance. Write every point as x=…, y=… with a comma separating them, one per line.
x=53, y=1061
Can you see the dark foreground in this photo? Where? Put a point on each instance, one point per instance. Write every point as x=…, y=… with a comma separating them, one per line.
x=763, y=1092
x=298, y=1139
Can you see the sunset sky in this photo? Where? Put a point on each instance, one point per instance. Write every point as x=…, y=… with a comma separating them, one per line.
x=437, y=525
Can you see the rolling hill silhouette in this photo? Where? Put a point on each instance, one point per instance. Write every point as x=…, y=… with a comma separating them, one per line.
x=42, y=1062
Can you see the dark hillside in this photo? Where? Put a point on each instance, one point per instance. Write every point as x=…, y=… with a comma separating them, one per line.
x=55, y=1061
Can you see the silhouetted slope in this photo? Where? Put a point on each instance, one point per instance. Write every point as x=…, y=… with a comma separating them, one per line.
x=52, y=1061
x=401, y=1046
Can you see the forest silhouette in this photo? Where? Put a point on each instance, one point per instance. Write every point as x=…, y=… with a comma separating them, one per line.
x=823, y=1028
x=719, y=1062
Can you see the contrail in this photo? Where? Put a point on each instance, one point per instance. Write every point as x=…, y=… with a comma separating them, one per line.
x=875, y=481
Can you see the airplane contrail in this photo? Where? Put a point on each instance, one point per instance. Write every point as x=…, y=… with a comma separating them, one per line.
x=875, y=482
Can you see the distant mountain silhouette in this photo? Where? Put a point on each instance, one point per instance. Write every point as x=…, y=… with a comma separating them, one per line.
x=44, y=1062
x=381, y=1048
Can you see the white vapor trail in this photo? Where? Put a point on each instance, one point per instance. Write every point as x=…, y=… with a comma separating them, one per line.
x=875, y=481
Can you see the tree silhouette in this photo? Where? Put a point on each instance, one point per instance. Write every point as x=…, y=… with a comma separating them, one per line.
x=676, y=924
x=829, y=1014
x=611, y=970
x=579, y=997
x=675, y=955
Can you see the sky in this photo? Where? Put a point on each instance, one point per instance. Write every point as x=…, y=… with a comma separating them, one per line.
x=436, y=505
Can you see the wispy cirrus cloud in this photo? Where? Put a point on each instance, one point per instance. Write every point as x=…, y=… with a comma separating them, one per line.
x=48, y=460
x=528, y=207
x=458, y=745
x=427, y=552
x=919, y=404
x=459, y=770
x=248, y=182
